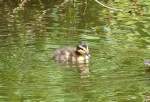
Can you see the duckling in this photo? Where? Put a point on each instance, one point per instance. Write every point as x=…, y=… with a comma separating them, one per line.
x=74, y=55
x=147, y=63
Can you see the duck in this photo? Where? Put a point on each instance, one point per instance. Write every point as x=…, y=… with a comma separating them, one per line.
x=147, y=63
x=74, y=55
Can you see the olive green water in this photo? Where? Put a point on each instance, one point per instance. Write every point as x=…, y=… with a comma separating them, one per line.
x=118, y=41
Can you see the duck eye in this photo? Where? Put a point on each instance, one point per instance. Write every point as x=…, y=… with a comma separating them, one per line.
x=81, y=47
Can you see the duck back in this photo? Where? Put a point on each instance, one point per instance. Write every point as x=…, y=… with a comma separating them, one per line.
x=63, y=54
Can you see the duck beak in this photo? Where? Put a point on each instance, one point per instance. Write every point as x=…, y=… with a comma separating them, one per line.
x=88, y=55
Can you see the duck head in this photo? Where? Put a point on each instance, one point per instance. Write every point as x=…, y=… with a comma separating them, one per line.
x=82, y=49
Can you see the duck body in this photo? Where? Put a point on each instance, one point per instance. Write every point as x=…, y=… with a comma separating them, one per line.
x=74, y=55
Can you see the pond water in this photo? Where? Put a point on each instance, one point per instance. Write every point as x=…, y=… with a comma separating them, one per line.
x=119, y=43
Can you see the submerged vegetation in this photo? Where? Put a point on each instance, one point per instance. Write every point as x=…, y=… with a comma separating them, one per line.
x=129, y=18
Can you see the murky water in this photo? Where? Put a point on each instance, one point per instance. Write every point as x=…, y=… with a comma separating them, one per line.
x=118, y=42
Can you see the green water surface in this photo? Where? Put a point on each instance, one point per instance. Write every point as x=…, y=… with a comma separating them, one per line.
x=119, y=43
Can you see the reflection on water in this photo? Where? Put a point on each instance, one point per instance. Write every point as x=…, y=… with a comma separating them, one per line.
x=84, y=70
x=119, y=44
